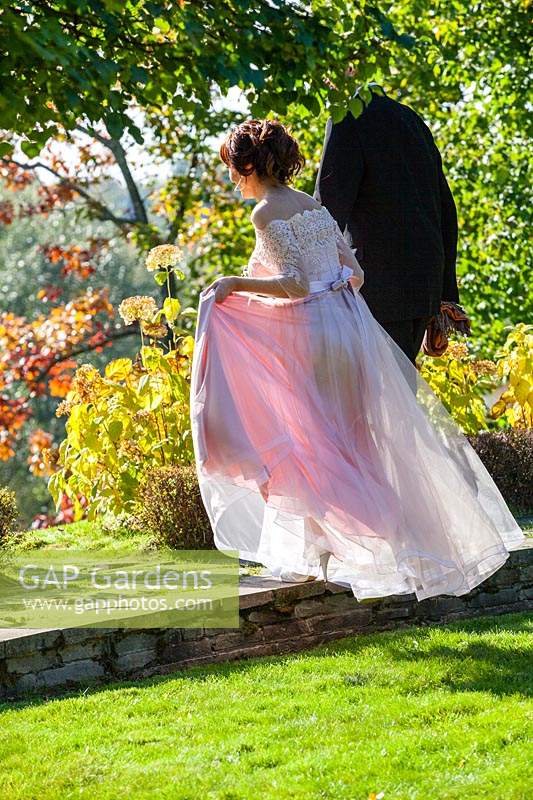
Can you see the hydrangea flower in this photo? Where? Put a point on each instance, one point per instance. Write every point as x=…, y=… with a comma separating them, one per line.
x=163, y=256
x=138, y=307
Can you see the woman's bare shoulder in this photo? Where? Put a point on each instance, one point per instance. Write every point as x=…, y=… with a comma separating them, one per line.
x=262, y=213
x=266, y=211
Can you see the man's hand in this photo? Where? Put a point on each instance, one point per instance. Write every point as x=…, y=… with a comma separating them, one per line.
x=223, y=286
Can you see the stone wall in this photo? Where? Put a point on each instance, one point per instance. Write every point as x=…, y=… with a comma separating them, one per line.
x=274, y=618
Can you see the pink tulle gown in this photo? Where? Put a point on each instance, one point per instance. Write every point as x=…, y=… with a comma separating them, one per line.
x=309, y=436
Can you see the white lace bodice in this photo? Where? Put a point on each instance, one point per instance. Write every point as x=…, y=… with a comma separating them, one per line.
x=308, y=242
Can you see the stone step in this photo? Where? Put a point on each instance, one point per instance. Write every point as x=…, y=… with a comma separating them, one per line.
x=275, y=617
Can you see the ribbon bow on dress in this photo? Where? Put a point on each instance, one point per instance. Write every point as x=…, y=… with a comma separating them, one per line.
x=339, y=283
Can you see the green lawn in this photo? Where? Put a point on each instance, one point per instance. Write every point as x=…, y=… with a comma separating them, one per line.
x=422, y=713
x=85, y=535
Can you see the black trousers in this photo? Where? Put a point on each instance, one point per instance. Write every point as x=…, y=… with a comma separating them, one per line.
x=408, y=334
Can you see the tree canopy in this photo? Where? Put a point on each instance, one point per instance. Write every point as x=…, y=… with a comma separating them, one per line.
x=67, y=59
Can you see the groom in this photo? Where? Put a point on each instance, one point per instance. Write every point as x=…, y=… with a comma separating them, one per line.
x=381, y=178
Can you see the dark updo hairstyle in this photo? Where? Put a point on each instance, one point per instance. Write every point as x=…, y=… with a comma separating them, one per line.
x=267, y=146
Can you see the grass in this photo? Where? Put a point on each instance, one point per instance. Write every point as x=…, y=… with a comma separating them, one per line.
x=95, y=536
x=440, y=712
x=526, y=523
x=86, y=535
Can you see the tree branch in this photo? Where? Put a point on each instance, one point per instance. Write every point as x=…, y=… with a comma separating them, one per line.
x=120, y=157
x=101, y=210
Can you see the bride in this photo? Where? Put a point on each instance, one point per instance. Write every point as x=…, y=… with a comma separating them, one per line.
x=318, y=445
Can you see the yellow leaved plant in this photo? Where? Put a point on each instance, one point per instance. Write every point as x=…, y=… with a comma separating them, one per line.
x=460, y=381
x=515, y=365
x=136, y=415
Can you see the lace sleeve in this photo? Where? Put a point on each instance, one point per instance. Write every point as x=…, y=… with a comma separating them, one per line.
x=284, y=256
x=347, y=257
x=292, y=277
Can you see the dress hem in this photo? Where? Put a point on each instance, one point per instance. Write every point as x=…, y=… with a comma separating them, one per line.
x=494, y=557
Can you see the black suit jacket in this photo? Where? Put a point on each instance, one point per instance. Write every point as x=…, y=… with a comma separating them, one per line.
x=381, y=178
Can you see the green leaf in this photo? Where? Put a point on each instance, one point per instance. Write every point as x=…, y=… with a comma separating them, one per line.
x=162, y=24
x=160, y=278
x=257, y=78
x=155, y=402
x=365, y=94
x=31, y=149
x=171, y=307
x=376, y=88
x=338, y=113
x=115, y=125
x=190, y=311
x=139, y=75
x=115, y=429
x=143, y=384
x=356, y=106
x=150, y=357
x=311, y=103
